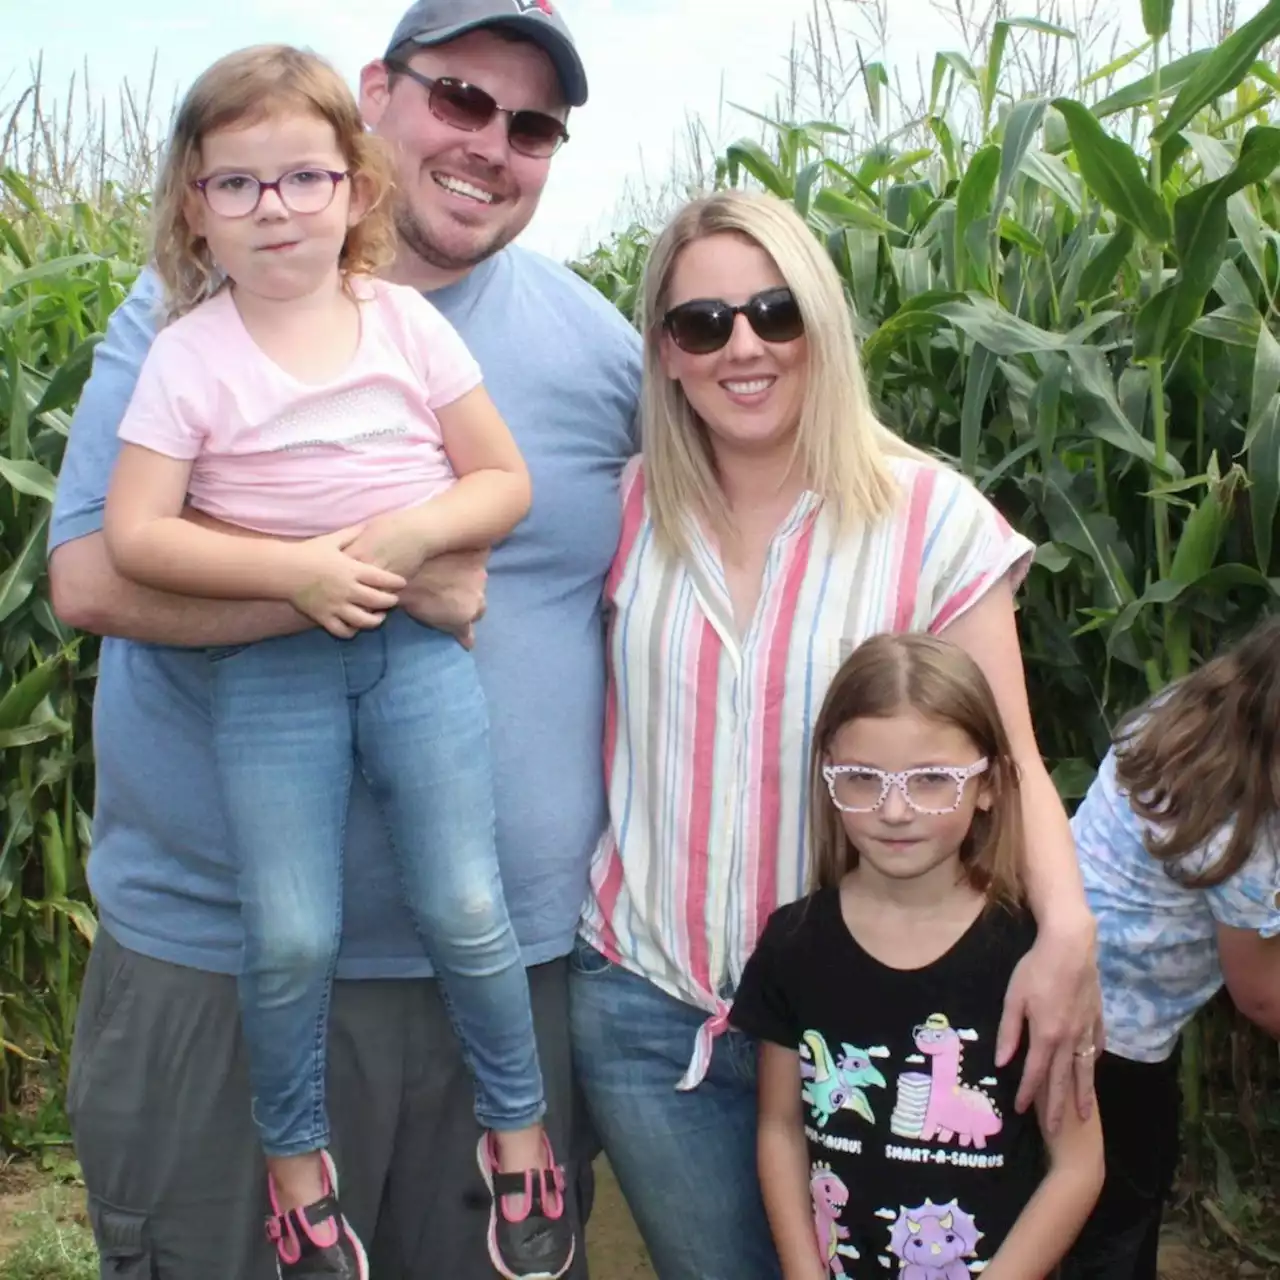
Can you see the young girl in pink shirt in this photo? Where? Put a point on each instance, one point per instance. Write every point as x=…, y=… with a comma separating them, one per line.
x=302, y=431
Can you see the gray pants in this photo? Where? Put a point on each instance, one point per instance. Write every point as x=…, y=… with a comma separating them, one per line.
x=160, y=1114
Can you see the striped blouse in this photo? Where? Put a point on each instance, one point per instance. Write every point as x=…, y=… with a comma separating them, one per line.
x=707, y=733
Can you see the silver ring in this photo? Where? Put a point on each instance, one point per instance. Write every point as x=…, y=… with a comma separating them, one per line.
x=1087, y=1052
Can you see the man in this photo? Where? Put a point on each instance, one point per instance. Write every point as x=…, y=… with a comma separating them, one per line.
x=158, y=1096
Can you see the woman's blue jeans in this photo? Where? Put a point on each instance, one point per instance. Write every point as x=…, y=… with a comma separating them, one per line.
x=686, y=1162
x=293, y=719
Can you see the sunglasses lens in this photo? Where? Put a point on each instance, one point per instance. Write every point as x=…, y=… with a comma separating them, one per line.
x=461, y=105
x=775, y=316
x=700, y=327
x=705, y=325
x=535, y=134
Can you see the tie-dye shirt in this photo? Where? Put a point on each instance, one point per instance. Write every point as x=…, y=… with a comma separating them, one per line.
x=707, y=732
x=1157, y=940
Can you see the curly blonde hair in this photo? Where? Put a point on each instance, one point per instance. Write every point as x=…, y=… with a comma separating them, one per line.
x=240, y=90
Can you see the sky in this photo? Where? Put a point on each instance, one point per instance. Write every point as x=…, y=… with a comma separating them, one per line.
x=653, y=65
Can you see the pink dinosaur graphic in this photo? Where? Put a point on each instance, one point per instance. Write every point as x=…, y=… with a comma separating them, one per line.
x=830, y=1196
x=933, y=1240
x=955, y=1110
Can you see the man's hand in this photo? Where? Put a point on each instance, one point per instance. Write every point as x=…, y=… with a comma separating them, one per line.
x=1055, y=988
x=342, y=594
x=392, y=541
x=448, y=593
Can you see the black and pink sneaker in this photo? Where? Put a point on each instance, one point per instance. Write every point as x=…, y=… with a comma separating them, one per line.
x=536, y=1241
x=316, y=1243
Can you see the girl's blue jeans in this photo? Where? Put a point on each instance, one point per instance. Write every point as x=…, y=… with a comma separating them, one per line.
x=293, y=719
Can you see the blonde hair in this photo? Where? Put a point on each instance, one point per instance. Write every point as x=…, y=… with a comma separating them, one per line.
x=239, y=90
x=884, y=676
x=841, y=446
x=1205, y=754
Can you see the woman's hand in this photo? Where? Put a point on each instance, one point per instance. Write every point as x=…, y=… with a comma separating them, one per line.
x=1055, y=988
x=448, y=593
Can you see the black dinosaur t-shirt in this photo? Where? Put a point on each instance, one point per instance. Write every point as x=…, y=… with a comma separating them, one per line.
x=919, y=1164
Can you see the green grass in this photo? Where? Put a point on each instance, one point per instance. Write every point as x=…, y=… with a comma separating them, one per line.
x=54, y=1251
x=53, y=1243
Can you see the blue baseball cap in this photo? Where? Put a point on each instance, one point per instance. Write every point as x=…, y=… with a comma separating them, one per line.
x=434, y=22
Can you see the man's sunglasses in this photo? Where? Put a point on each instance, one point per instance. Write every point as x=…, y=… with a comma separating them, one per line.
x=462, y=105
x=704, y=325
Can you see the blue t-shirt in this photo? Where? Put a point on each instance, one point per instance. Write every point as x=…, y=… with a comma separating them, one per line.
x=563, y=367
x=1157, y=939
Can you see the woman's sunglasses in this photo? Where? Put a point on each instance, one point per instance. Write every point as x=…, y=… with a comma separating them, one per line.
x=462, y=105
x=706, y=324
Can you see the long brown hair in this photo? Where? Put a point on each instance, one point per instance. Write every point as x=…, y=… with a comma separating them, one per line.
x=237, y=91
x=884, y=676
x=1205, y=754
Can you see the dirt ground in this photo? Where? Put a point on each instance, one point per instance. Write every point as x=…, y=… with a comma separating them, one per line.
x=614, y=1249
x=25, y=1196
x=613, y=1245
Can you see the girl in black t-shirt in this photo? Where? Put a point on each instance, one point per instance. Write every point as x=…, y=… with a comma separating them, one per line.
x=889, y=1141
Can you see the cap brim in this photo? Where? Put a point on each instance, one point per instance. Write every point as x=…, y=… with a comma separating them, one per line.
x=564, y=57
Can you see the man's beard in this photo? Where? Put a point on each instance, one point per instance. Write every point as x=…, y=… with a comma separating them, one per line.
x=415, y=237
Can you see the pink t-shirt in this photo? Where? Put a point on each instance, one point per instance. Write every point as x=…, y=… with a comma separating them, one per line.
x=296, y=459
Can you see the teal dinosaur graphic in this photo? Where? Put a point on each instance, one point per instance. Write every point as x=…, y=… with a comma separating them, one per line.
x=836, y=1084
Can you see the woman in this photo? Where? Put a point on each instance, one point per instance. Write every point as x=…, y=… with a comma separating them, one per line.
x=771, y=526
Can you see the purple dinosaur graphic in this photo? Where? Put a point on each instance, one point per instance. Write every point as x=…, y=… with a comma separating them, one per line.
x=830, y=1196
x=955, y=1109
x=933, y=1240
